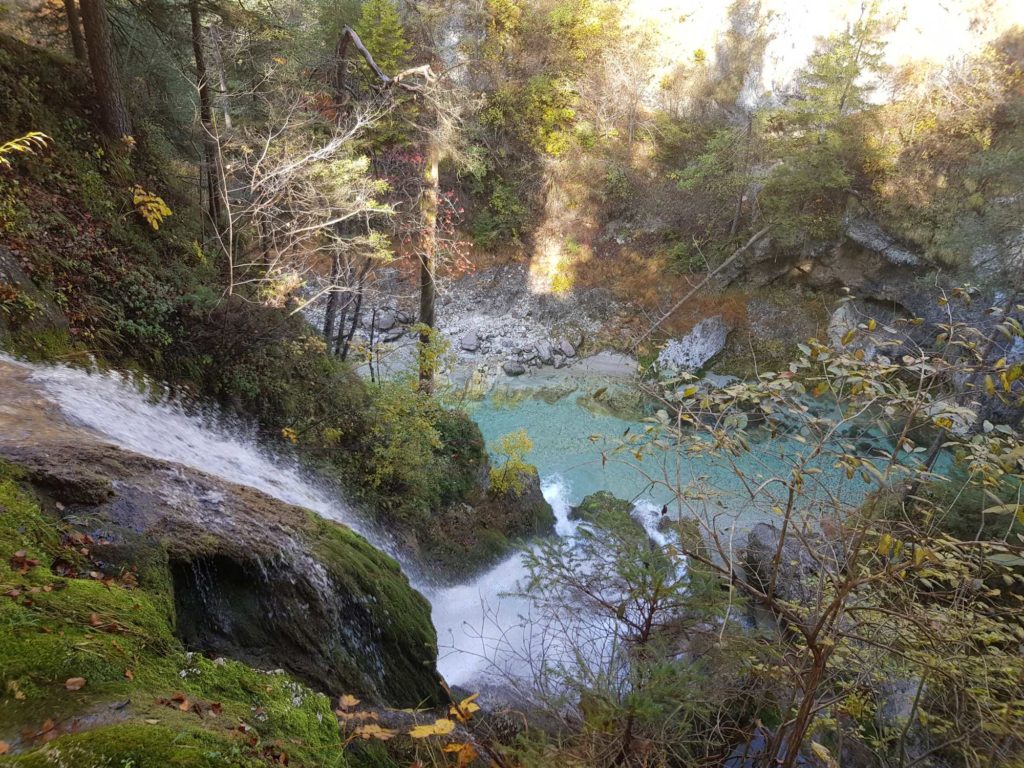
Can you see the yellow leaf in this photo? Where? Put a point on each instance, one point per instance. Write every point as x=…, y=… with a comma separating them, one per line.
x=872, y=324
x=990, y=386
x=884, y=544
x=464, y=709
x=374, y=731
x=848, y=336
x=821, y=752
x=467, y=752
x=439, y=727
x=1004, y=509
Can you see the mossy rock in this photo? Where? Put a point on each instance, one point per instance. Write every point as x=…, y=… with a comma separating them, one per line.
x=59, y=621
x=141, y=746
x=470, y=536
x=598, y=505
x=246, y=576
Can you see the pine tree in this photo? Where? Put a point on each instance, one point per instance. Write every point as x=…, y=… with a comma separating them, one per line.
x=75, y=29
x=381, y=30
x=818, y=134
x=105, y=77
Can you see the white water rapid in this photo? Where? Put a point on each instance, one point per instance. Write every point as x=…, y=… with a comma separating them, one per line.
x=485, y=633
x=481, y=629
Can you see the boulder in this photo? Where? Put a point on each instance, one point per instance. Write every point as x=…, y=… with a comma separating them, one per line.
x=525, y=511
x=696, y=348
x=386, y=320
x=600, y=504
x=470, y=342
x=544, y=353
x=513, y=368
x=253, y=578
x=797, y=569
x=566, y=348
x=870, y=235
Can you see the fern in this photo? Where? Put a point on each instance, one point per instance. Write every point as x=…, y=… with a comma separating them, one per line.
x=28, y=144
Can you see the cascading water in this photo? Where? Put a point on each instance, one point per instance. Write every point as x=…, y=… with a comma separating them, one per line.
x=468, y=617
x=160, y=427
x=481, y=627
x=483, y=631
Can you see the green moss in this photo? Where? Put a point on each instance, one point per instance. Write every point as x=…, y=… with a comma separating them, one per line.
x=142, y=746
x=118, y=636
x=45, y=346
x=599, y=505
x=399, y=615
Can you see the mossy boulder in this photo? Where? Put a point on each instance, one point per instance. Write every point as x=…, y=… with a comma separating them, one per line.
x=598, y=505
x=246, y=576
x=469, y=536
x=141, y=699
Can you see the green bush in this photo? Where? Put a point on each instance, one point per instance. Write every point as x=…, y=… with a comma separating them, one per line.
x=504, y=216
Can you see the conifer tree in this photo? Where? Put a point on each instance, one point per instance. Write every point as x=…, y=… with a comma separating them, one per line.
x=820, y=137
x=380, y=28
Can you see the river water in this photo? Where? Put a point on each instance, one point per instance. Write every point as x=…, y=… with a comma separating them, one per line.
x=481, y=629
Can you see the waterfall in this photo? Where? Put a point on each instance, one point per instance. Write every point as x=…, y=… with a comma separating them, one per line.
x=135, y=415
x=480, y=626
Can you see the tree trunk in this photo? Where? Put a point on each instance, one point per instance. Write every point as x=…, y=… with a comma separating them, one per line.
x=206, y=117
x=331, y=313
x=75, y=30
x=222, y=75
x=798, y=730
x=427, y=256
x=106, y=81
x=357, y=310
x=738, y=211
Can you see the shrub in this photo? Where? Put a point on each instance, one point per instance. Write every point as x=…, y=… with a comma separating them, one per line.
x=509, y=476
